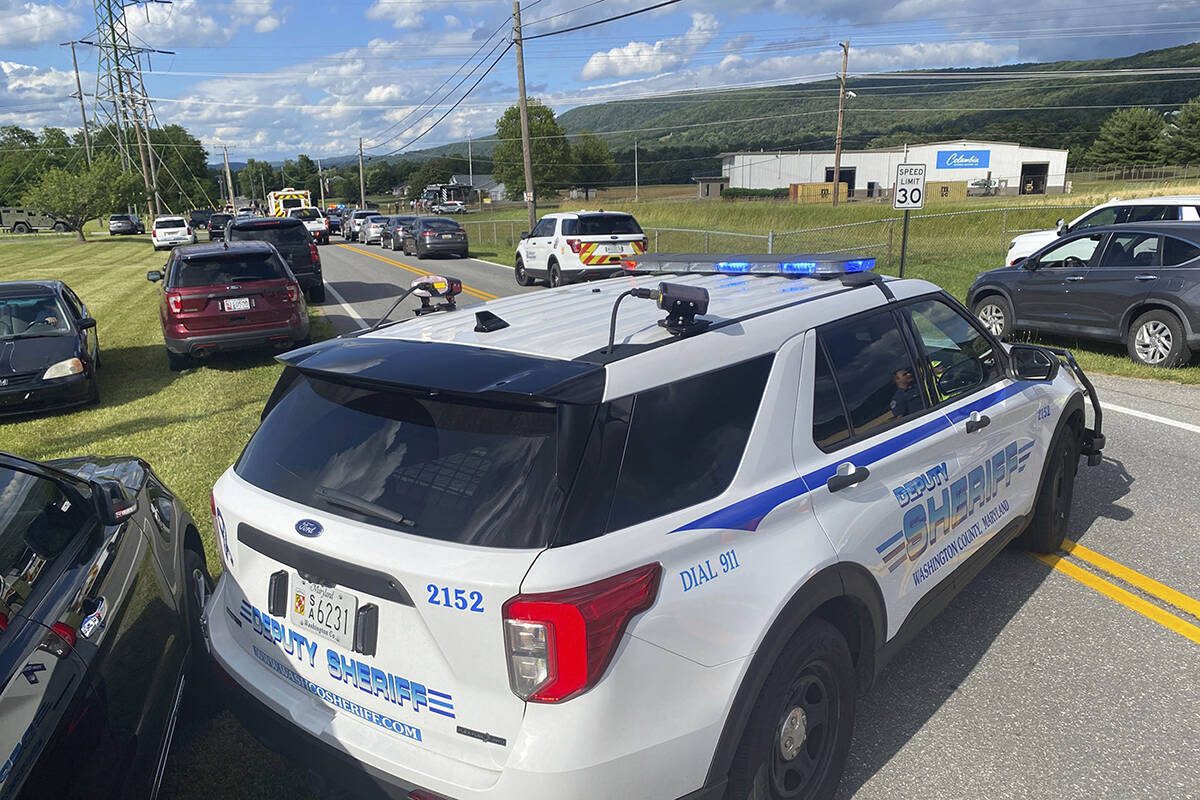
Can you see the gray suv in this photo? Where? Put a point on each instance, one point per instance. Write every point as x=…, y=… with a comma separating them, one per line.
x=1134, y=284
x=125, y=224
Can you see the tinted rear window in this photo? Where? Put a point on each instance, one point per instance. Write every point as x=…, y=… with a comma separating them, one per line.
x=119, y=218
x=451, y=470
x=438, y=224
x=601, y=225
x=276, y=235
x=160, y=224
x=220, y=219
x=225, y=270
x=305, y=214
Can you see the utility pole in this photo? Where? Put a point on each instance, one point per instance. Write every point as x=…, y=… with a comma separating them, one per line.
x=321, y=183
x=229, y=181
x=523, y=105
x=837, y=146
x=362, y=184
x=635, y=171
x=87, y=139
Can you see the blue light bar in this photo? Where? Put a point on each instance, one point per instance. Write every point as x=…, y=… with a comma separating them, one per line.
x=791, y=266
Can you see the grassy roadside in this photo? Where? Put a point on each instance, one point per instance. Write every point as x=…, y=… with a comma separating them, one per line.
x=189, y=426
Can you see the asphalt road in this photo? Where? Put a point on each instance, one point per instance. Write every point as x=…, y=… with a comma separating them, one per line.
x=1071, y=677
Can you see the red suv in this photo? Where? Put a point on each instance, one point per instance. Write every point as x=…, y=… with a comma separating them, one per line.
x=228, y=297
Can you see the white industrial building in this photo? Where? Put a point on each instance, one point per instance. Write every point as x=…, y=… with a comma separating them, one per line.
x=1011, y=168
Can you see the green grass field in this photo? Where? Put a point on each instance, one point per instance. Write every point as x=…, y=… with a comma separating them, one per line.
x=189, y=426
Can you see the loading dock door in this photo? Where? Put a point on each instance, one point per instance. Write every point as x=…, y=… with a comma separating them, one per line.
x=846, y=176
x=1033, y=178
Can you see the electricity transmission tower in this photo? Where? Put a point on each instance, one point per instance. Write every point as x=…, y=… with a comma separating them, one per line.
x=120, y=101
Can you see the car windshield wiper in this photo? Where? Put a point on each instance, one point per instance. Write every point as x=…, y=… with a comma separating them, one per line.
x=342, y=499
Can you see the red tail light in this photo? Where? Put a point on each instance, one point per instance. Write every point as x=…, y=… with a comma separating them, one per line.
x=428, y=234
x=174, y=303
x=293, y=294
x=312, y=251
x=212, y=502
x=326, y=221
x=560, y=643
x=574, y=244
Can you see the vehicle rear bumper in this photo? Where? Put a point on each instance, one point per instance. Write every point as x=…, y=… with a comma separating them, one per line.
x=238, y=340
x=442, y=247
x=45, y=395
x=584, y=755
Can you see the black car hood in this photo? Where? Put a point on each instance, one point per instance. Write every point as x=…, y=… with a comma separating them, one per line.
x=31, y=354
x=127, y=470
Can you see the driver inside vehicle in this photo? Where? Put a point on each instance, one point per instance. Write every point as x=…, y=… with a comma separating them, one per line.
x=907, y=397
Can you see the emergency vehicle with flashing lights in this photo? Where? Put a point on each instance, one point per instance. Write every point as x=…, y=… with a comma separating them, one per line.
x=577, y=245
x=281, y=202
x=560, y=545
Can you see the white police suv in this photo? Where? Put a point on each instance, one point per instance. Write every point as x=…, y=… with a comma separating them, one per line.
x=648, y=537
x=577, y=245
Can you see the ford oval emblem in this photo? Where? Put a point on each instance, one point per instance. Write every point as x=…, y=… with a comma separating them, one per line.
x=309, y=528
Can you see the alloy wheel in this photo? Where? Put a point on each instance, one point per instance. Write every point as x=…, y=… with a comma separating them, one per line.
x=992, y=317
x=1153, y=342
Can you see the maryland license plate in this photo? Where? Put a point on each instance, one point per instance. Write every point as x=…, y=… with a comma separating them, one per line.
x=237, y=304
x=613, y=248
x=324, y=610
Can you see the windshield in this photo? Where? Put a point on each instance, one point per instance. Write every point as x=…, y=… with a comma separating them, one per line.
x=219, y=219
x=308, y=214
x=461, y=471
x=37, y=520
x=22, y=317
x=440, y=224
x=281, y=235
x=162, y=224
x=601, y=225
x=244, y=268
x=119, y=218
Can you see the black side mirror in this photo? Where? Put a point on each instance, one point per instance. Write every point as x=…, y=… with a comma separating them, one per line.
x=113, y=504
x=524, y=234
x=1031, y=363
x=1028, y=263
x=1061, y=226
x=154, y=276
x=86, y=323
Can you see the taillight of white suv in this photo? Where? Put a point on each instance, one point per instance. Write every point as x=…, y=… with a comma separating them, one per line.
x=560, y=643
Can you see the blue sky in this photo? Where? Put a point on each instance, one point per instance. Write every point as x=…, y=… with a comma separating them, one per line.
x=273, y=78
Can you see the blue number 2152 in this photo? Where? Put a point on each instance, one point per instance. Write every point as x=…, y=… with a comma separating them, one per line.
x=454, y=598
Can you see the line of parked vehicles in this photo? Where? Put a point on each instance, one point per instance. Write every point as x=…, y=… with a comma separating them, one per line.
x=102, y=570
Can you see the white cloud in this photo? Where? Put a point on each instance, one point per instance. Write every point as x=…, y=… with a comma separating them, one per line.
x=184, y=22
x=27, y=24
x=401, y=16
x=639, y=58
x=266, y=24
x=33, y=97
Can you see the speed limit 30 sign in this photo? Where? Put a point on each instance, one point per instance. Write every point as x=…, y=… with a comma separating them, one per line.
x=910, y=187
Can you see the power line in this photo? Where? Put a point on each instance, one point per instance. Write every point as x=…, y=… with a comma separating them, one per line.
x=601, y=21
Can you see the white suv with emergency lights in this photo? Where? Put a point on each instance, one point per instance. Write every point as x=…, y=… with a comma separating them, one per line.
x=519, y=553
x=577, y=245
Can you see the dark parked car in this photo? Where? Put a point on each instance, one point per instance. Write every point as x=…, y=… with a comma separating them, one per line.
x=124, y=224
x=429, y=235
x=228, y=297
x=392, y=235
x=216, y=225
x=1136, y=284
x=49, y=350
x=335, y=220
x=198, y=218
x=293, y=241
x=102, y=580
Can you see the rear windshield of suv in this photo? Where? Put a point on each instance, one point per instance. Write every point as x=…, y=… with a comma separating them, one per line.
x=601, y=225
x=307, y=214
x=438, y=224
x=281, y=235
x=222, y=270
x=220, y=219
x=163, y=224
x=446, y=469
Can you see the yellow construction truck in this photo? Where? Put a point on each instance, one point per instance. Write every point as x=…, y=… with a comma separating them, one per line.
x=281, y=202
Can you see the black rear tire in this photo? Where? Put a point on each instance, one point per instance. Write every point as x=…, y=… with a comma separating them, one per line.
x=556, y=276
x=199, y=680
x=798, y=735
x=1157, y=339
x=177, y=362
x=317, y=293
x=1052, y=511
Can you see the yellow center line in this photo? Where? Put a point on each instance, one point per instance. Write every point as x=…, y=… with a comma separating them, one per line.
x=1122, y=596
x=477, y=293
x=1133, y=578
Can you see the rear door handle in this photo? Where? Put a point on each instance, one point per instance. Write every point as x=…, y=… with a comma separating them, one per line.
x=847, y=475
x=1145, y=277
x=978, y=421
x=1074, y=277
